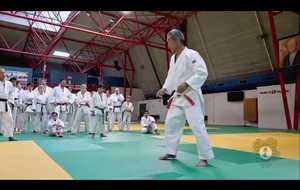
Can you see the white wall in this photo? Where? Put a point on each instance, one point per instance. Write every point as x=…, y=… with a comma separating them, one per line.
x=155, y=107
x=222, y=112
x=270, y=106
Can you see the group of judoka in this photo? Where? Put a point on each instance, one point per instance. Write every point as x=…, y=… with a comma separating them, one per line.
x=57, y=110
x=46, y=106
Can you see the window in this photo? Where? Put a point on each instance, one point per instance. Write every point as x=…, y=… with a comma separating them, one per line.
x=49, y=16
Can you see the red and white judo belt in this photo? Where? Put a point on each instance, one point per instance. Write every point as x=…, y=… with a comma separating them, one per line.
x=176, y=94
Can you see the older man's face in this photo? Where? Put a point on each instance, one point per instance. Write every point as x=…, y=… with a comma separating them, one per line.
x=63, y=83
x=43, y=82
x=172, y=43
x=83, y=88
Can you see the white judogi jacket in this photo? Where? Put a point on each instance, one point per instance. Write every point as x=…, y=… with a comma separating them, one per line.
x=104, y=99
x=97, y=104
x=109, y=104
x=59, y=125
x=127, y=107
x=28, y=99
x=61, y=96
x=71, y=101
x=83, y=99
x=15, y=94
x=48, y=92
x=147, y=121
x=190, y=68
x=116, y=101
x=6, y=93
x=40, y=103
x=19, y=98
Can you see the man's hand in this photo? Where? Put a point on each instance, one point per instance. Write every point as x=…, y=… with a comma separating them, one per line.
x=161, y=92
x=181, y=88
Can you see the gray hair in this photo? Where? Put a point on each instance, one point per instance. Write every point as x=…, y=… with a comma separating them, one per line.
x=176, y=34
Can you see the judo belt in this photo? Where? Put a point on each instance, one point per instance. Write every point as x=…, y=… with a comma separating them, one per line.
x=13, y=105
x=42, y=106
x=61, y=104
x=189, y=99
x=27, y=104
x=83, y=105
x=4, y=100
x=116, y=107
x=102, y=110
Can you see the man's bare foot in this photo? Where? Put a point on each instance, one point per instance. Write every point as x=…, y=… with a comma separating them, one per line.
x=202, y=163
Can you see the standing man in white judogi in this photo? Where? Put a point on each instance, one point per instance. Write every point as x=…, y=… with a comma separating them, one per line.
x=83, y=104
x=40, y=115
x=13, y=104
x=49, y=94
x=6, y=95
x=127, y=109
x=19, y=107
x=109, y=111
x=61, y=97
x=186, y=75
x=71, y=110
x=27, y=98
x=97, y=114
x=116, y=99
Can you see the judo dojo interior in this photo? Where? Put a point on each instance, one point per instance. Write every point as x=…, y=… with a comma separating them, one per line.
x=250, y=100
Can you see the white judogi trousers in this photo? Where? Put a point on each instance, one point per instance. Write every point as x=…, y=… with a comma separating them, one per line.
x=116, y=116
x=70, y=117
x=126, y=120
x=152, y=126
x=40, y=122
x=6, y=122
x=175, y=121
x=62, y=112
x=82, y=113
x=97, y=123
x=20, y=119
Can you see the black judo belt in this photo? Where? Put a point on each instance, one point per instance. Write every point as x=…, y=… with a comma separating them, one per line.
x=4, y=100
x=27, y=105
x=61, y=104
x=42, y=106
x=116, y=107
x=102, y=110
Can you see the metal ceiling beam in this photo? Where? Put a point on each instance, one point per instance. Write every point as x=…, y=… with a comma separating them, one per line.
x=58, y=36
x=71, y=27
x=50, y=57
x=109, y=53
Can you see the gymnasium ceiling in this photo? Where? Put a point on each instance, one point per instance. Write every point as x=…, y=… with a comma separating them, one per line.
x=231, y=43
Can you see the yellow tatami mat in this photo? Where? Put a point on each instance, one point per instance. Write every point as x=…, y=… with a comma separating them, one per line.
x=287, y=145
x=26, y=160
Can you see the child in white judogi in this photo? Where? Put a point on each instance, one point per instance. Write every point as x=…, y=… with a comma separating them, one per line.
x=56, y=125
x=148, y=124
x=27, y=101
x=127, y=109
x=117, y=99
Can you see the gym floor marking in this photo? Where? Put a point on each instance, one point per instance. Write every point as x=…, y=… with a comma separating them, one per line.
x=288, y=145
x=26, y=160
